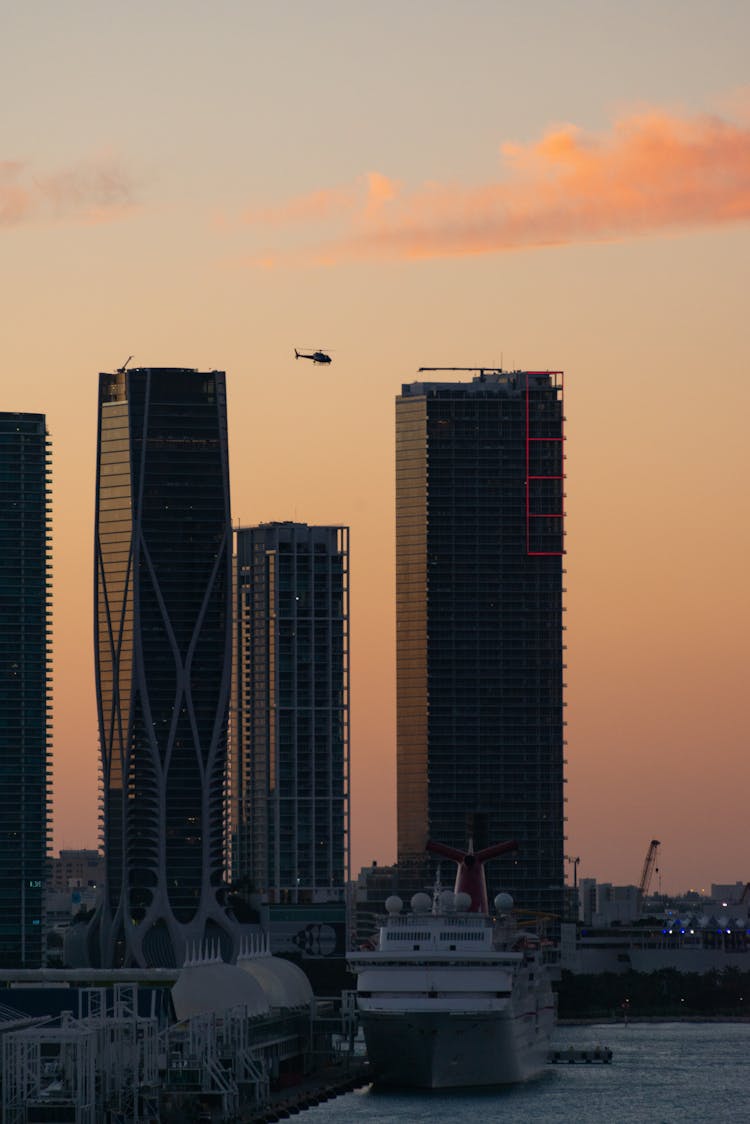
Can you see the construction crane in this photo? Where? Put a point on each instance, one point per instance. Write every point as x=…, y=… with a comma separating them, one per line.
x=649, y=864
x=574, y=861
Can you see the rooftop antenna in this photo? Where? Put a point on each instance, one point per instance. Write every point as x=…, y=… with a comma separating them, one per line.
x=121, y=370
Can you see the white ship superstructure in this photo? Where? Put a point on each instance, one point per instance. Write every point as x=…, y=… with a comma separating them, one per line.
x=453, y=998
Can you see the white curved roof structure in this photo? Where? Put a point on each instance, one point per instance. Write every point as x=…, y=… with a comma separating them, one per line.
x=284, y=984
x=209, y=985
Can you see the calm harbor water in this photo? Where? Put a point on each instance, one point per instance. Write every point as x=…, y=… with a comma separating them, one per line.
x=661, y=1073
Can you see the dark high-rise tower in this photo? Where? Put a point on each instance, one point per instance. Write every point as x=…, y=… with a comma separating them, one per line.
x=479, y=546
x=25, y=685
x=163, y=558
x=290, y=730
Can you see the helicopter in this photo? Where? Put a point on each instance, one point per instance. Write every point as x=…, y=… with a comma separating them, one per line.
x=317, y=356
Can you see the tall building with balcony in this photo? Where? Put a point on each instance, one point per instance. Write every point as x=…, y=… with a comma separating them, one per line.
x=163, y=630
x=479, y=570
x=290, y=724
x=25, y=685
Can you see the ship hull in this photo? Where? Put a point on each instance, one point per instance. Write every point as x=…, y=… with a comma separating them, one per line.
x=444, y=1050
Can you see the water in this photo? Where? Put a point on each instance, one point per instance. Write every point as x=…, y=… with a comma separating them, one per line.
x=661, y=1073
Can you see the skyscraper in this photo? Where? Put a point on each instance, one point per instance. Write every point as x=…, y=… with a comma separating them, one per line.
x=290, y=738
x=25, y=685
x=479, y=547
x=163, y=623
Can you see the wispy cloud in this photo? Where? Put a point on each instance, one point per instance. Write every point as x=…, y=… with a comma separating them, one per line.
x=653, y=172
x=363, y=198
x=93, y=191
x=317, y=205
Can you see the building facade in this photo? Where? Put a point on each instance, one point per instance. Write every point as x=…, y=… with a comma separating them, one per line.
x=163, y=627
x=76, y=869
x=479, y=569
x=290, y=719
x=25, y=685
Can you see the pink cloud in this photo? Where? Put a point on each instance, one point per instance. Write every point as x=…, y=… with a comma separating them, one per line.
x=94, y=191
x=653, y=172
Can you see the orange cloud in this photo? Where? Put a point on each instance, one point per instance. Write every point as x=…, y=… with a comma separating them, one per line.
x=651, y=173
x=93, y=191
x=320, y=204
x=367, y=195
x=380, y=190
x=14, y=199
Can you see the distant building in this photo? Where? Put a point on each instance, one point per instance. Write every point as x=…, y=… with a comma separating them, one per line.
x=587, y=900
x=693, y=943
x=731, y=893
x=62, y=906
x=77, y=869
x=25, y=685
x=163, y=622
x=603, y=904
x=290, y=718
x=479, y=589
x=617, y=905
x=374, y=885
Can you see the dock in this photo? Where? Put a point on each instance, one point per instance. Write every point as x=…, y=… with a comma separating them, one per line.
x=574, y=1056
x=315, y=1090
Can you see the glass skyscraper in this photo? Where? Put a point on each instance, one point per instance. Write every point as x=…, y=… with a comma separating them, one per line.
x=163, y=625
x=479, y=567
x=25, y=685
x=290, y=727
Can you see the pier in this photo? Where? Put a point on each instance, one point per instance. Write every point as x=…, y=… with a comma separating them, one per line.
x=573, y=1056
x=330, y=1083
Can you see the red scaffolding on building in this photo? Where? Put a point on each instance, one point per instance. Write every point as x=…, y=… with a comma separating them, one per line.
x=534, y=478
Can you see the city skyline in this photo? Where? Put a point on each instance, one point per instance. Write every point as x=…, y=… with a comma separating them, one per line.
x=142, y=217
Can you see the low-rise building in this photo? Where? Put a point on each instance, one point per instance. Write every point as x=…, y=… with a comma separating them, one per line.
x=76, y=869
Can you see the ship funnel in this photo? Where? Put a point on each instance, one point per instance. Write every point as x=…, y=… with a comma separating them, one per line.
x=470, y=874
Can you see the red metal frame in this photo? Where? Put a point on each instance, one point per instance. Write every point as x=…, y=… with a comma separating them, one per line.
x=558, y=381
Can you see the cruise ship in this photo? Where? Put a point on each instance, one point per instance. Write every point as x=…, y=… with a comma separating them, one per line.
x=451, y=996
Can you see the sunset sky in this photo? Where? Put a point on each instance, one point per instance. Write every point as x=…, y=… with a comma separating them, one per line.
x=551, y=185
